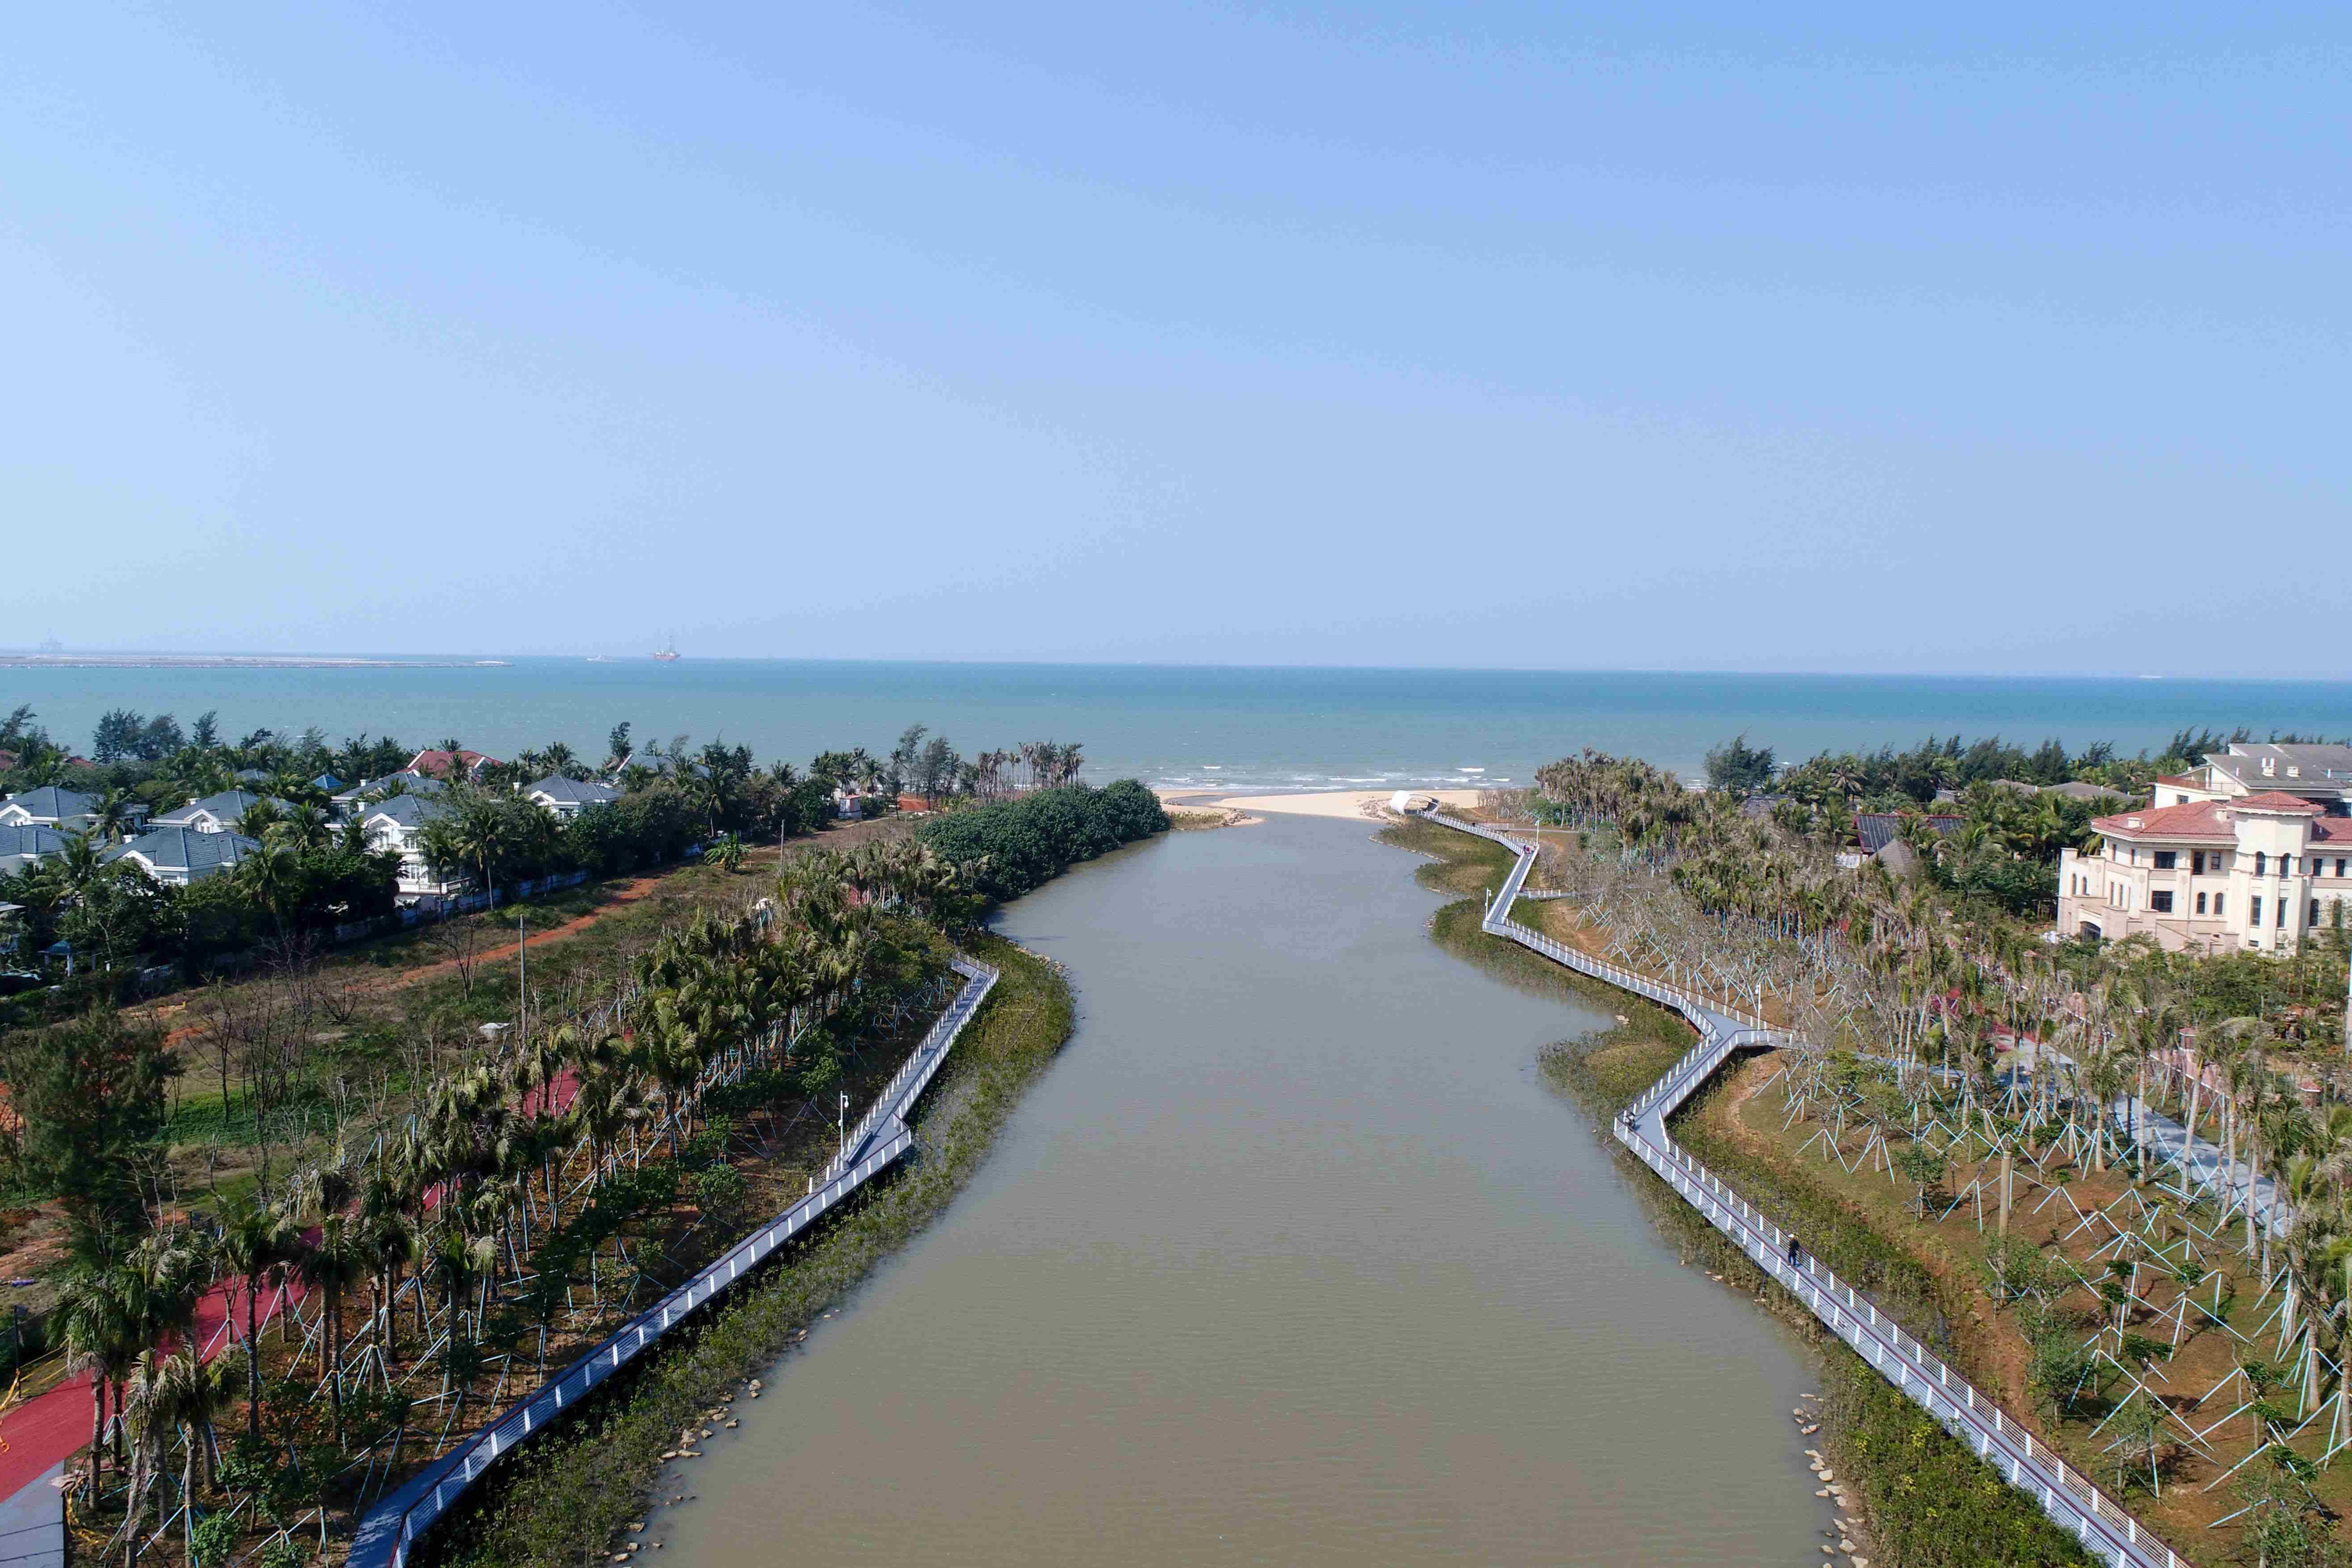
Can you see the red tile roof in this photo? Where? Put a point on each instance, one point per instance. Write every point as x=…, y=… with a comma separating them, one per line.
x=435, y=764
x=2198, y=820
x=2279, y=801
x=2210, y=820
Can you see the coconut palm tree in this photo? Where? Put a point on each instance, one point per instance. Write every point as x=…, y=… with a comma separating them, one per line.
x=272, y=877
x=256, y=1243
x=303, y=829
x=389, y=1239
x=338, y=1260
x=113, y=815
x=98, y=1316
x=176, y=1392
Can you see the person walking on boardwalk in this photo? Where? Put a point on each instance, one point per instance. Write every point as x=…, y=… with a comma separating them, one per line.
x=1796, y=1254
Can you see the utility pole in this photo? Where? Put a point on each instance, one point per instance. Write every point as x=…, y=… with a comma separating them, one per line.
x=841, y=1129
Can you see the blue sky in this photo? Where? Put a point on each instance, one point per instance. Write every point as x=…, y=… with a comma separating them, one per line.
x=2000, y=339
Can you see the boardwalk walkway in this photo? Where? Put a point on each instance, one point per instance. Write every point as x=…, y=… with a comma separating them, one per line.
x=387, y=1534
x=2106, y=1532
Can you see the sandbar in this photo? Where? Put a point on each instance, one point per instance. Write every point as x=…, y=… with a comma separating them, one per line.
x=1320, y=803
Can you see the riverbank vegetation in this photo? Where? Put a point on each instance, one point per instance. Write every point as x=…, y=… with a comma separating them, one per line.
x=308, y=1229
x=2143, y=1317
x=1013, y=846
x=577, y=1491
x=425, y=1251
x=1879, y=1441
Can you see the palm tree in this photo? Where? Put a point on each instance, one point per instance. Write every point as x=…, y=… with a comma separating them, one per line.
x=180, y=1392
x=472, y=835
x=77, y=865
x=117, y=808
x=255, y=1242
x=95, y=1311
x=389, y=1238
x=338, y=1260
x=272, y=877
x=303, y=829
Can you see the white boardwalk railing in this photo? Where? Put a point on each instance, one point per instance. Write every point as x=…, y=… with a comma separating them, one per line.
x=387, y=1534
x=2107, y=1530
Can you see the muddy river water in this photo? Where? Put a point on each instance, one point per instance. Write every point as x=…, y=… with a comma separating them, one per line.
x=1292, y=1258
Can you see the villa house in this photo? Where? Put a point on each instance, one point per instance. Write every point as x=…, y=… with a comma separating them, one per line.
x=176, y=856
x=23, y=846
x=2321, y=774
x=567, y=798
x=2213, y=874
x=221, y=814
x=458, y=764
x=344, y=802
x=66, y=810
x=398, y=824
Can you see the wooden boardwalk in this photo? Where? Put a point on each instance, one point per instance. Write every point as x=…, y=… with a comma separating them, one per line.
x=389, y=1533
x=2106, y=1529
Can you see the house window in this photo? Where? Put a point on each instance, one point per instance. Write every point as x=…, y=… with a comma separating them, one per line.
x=2262, y=862
x=2161, y=902
x=2282, y=915
x=2315, y=912
x=2167, y=859
x=2258, y=912
x=2181, y=800
x=2217, y=902
x=2339, y=865
x=2200, y=903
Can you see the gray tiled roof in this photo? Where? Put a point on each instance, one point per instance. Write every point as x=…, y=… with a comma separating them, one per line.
x=2315, y=765
x=417, y=783
x=564, y=791
x=53, y=804
x=23, y=839
x=229, y=805
x=408, y=811
x=184, y=849
x=2075, y=789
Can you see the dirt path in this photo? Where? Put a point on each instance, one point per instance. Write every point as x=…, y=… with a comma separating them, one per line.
x=619, y=895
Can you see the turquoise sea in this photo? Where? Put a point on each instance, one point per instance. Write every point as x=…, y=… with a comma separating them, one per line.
x=1284, y=728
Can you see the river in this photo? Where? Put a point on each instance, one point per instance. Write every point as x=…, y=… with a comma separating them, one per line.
x=1292, y=1258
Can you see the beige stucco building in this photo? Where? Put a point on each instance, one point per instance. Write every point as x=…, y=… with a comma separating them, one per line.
x=2215, y=873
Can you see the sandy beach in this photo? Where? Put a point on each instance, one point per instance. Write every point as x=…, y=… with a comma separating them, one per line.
x=1327, y=803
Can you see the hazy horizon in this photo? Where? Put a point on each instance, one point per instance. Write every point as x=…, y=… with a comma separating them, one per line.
x=1692, y=339
x=67, y=656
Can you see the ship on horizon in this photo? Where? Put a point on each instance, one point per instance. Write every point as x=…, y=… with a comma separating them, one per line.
x=667, y=652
